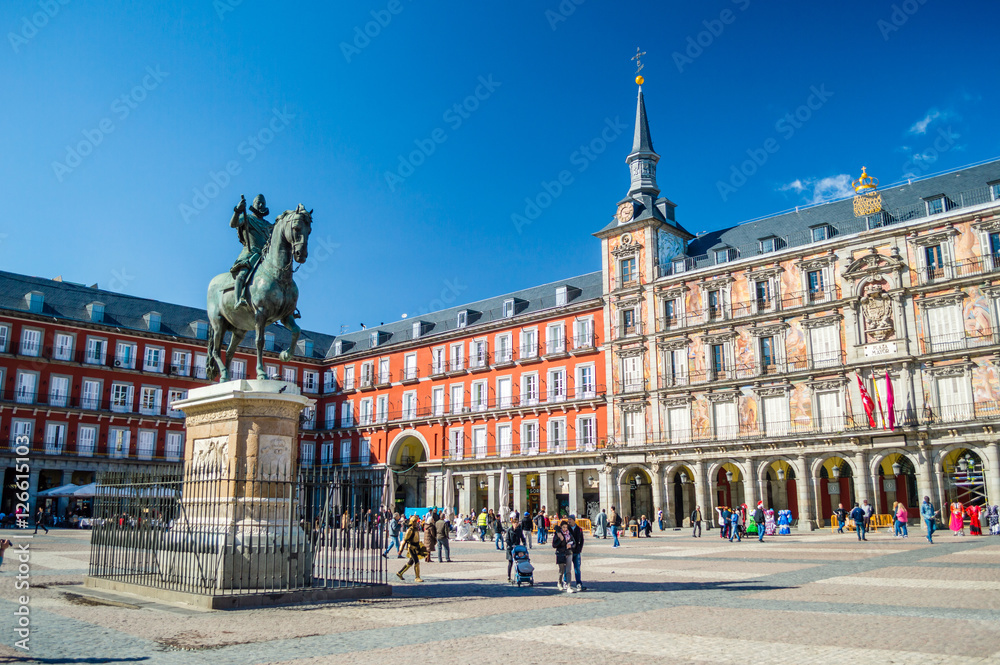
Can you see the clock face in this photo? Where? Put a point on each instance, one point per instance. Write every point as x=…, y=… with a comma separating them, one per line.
x=669, y=246
x=625, y=212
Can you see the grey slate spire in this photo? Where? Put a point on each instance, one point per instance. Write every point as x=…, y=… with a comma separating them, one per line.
x=642, y=161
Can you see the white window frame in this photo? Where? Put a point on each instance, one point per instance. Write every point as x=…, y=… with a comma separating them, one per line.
x=56, y=434
x=349, y=377
x=347, y=413
x=21, y=427
x=91, y=401
x=456, y=397
x=365, y=451
x=529, y=388
x=583, y=333
x=125, y=354
x=288, y=374
x=678, y=421
x=556, y=382
x=86, y=444
x=729, y=430
x=345, y=452
x=26, y=387
x=557, y=436
x=180, y=362
x=529, y=437
x=586, y=429
x=310, y=381
x=32, y=341
x=119, y=442
x=175, y=395
x=456, y=443
x=438, y=396
x=504, y=349
x=4, y=337
x=410, y=405
x=149, y=400
x=154, y=354
x=830, y=422
x=508, y=308
x=330, y=415
x=381, y=409
x=582, y=390
x=480, y=442
x=555, y=338
x=529, y=343
x=505, y=439
x=92, y=358
x=143, y=450
x=62, y=346
x=384, y=371
x=410, y=370
x=307, y=453
x=479, y=396
x=122, y=397
x=59, y=398
x=775, y=414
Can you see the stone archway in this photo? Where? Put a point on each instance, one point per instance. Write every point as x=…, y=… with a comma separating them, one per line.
x=963, y=471
x=835, y=479
x=727, y=484
x=780, y=486
x=895, y=475
x=680, y=486
x=636, y=486
x=407, y=450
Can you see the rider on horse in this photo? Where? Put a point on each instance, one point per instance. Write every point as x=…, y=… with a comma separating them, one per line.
x=254, y=232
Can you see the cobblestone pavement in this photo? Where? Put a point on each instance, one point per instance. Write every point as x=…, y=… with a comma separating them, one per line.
x=805, y=598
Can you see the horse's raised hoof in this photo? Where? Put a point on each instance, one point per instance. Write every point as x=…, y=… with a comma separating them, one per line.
x=285, y=356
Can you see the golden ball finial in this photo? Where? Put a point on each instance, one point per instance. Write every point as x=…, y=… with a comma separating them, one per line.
x=639, y=80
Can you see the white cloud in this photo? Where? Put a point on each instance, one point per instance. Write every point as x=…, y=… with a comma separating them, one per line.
x=796, y=186
x=921, y=126
x=832, y=187
x=821, y=190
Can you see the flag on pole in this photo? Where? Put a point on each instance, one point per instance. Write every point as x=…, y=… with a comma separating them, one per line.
x=890, y=401
x=878, y=400
x=866, y=401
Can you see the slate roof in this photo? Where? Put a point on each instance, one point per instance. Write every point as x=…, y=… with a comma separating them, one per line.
x=964, y=187
x=526, y=301
x=68, y=302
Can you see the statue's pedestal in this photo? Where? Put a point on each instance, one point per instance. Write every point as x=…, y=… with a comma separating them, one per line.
x=238, y=523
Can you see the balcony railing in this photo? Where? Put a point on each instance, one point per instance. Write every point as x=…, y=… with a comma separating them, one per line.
x=517, y=448
x=632, y=385
x=958, y=341
x=99, y=451
x=978, y=265
x=408, y=374
x=585, y=343
x=846, y=422
x=528, y=353
x=555, y=348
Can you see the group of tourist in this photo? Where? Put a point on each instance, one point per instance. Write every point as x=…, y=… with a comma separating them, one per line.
x=977, y=516
x=736, y=523
x=567, y=540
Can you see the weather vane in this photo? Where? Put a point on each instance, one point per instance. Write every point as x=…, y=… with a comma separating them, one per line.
x=638, y=65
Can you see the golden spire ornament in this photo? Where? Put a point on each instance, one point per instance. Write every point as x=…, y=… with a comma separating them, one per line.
x=639, y=80
x=867, y=200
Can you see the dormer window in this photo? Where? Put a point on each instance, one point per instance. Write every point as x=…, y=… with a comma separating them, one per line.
x=268, y=341
x=338, y=348
x=463, y=319
x=152, y=321
x=373, y=339
x=416, y=329
x=96, y=312
x=508, y=308
x=36, y=301
x=561, y=296
x=200, y=329
x=995, y=191
x=771, y=244
x=822, y=232
x=306, y=347
x=726, y=255
x=936, y=205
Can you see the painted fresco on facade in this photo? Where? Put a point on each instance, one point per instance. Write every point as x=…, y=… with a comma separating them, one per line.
x=967, y=245
x=743, y=345
x=748, y=408
x=740, y=294
x=985, y=382
x=699, y=416
x=800, y=405
x=976, y=313
x=795, y=342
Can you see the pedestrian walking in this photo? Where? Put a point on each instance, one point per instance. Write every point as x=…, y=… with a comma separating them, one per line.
x=928, y=516
x=734, y=527
x=481, y=523
x=858, y=515
x=869, y=511
x=513, y=536
x=430, y=535
x=841, y=514
x=562, y=542
x=601, y=529
x=4, y=544
x=442, y=528
x=40, y=516
x=902, y=517
x=526, y=527
x=541, y=536
x=659, y=518
x=758, y=519
x=414, y=549
x=576, y=551
x=616, y=525
x=392, y=529
x=895, y=519
x=696, y=522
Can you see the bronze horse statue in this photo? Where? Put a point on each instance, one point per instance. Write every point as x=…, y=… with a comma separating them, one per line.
x=273, y=296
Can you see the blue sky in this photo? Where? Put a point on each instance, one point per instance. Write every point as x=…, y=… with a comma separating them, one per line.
x=131, y=129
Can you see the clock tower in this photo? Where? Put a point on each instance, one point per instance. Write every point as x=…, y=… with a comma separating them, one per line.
x=639, y=245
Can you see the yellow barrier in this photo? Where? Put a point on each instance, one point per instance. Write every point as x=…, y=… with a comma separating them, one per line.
x=876, y=522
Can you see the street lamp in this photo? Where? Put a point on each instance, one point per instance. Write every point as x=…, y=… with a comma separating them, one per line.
x=897, y=468
x=781, y=473
x=683, y=478
x=729, y=476
x=835, y=471
x=534, y=481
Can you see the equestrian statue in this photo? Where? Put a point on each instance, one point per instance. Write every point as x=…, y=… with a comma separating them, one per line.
x=258, y=290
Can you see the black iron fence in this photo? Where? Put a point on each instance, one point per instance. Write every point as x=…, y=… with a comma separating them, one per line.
x=205, y=530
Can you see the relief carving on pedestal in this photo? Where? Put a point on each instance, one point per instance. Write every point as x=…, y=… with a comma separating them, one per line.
x=211, y=453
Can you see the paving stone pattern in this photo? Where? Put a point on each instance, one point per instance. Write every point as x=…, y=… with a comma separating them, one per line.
x=806, y=598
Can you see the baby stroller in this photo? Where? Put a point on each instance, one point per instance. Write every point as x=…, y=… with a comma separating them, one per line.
x=524, y=571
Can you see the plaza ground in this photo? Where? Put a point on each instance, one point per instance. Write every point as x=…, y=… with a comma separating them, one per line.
x=804, y=598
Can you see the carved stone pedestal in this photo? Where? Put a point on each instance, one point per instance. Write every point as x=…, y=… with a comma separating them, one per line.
x=239, y=518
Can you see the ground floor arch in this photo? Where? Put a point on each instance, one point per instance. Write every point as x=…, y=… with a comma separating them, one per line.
x=780, y=487
x=836, y=487
x=681, y=488
x=636, y=487
x=728, y=480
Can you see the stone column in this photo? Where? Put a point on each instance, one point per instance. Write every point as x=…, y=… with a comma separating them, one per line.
x=700, y=493
x=925, y=476
x=750, y=484
x=492, y=500
x=520, y=491
x=806, y=509
x=667, y=491
x=992, y=472
x=873, y=499
x=576, y=493
x=547, y=492
x=62, y=505
x=656, y=477
x=465, y=493
x=860, y=478
x=605, y=480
